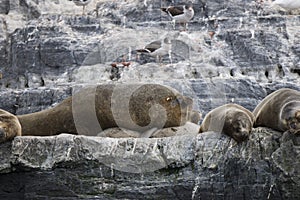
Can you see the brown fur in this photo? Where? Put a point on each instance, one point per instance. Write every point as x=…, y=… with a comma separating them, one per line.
x=280, y=111
x=9, y=126
x=90, y=110
x=230, y=119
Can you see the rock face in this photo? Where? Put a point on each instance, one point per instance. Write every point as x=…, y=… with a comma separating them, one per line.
x=205, y=166
x=234, y=51
x=50, y=45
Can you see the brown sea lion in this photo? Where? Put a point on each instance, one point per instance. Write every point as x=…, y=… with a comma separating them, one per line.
x=137, y=107
x=9, y=126
x=280, y=111
x=230, y=119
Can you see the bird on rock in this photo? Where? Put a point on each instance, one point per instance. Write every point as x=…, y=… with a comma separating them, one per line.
x=82, y=3
x=288, y=4
x=180, y=14
x=157, y=48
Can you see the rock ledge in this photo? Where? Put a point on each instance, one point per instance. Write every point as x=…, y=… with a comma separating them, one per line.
x=206, y=166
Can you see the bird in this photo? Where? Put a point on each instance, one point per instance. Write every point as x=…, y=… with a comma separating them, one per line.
x=180, y=14
x=287, y=4
x=82, y=3
x=157, y=48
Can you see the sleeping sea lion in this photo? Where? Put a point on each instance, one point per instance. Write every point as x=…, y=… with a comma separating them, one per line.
x=9, y=126
x=280, y=111
x=137, y=107
x=230, y=119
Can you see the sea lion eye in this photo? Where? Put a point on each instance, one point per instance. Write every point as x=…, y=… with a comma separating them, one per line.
x=172, y=101
x=169, y=99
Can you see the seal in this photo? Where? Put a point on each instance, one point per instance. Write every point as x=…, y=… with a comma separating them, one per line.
x=230, y=119
x=137, y=107
x=9, y=126
x=280, y=111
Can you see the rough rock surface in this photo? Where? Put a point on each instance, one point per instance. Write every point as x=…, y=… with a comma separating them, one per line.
x=48, y=44
x=205, y=166
x=47, y=48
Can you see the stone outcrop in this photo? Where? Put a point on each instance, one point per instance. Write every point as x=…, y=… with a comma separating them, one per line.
x=191, y=166
x=61, y=48
x=234, y=51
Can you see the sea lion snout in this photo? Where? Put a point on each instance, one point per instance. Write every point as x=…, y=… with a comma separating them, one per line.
x=293, y=125
x=244, y=135
x=241, y=134
x=185, y=102
x=294, y=128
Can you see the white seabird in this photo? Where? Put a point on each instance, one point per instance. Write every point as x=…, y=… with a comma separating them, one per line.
x=157, y=48
x=287, y=4
x=180, y=14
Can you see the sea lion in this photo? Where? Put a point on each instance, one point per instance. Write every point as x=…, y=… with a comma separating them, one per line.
x=137, y=107
x=9, y=126
x=280, y=111
x=230, y=119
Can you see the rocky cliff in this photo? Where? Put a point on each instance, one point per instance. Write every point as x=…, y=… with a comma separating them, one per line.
x=206, y=166
x=233, y=51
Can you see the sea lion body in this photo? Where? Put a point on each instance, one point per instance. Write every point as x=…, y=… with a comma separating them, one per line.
x=137, y=107
x=9, y=126
x=230, y=119
x=280, y=111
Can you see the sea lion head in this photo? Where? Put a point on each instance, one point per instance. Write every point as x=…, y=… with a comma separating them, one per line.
x=290, y=116
x=238, y=125
x=9, y=126
x=161, y=104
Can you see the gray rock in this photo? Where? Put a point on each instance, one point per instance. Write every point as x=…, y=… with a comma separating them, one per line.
x=47, y=48
x=4, y=7
x=56, y=44
x=32, y=100
x=209, y=165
